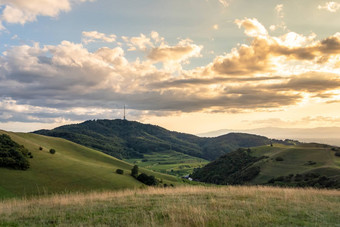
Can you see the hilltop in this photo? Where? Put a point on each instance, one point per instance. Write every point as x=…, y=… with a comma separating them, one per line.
x=72, y=168
x=131, y=139
x=327, y=135
x=152, y=146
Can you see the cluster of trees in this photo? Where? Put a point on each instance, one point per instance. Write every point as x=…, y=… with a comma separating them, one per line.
x=305, y=180
x=144, y=178
x=234, y=168
x=337, y=151
x=13, y=155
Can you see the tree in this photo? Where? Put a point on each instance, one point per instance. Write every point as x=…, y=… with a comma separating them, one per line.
x=279, y=159
x=148, y=180
x=13, y=155
x=134, y=171
x=52, y=151
x=120, y=171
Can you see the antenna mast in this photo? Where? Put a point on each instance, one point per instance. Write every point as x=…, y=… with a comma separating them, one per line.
x=124, y=113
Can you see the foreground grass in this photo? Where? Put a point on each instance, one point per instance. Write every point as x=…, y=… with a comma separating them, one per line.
x=182, y=206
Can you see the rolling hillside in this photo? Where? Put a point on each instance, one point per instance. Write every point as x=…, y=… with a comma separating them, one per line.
x=72, y=168
x=152, y=146
x=296, y=165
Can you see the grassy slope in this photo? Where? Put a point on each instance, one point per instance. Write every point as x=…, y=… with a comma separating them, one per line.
x=182, y=206
x=131, y=140
x=295, y=159
x=170, y=162
x=72, y=168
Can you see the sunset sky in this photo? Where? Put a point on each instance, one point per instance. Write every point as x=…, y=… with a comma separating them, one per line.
x=186, y=65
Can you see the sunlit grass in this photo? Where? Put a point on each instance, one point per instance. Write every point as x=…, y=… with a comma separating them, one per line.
x=181, y=206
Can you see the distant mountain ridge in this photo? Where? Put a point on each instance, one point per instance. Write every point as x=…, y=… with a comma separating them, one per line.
x=130, y=139
x=327, y=135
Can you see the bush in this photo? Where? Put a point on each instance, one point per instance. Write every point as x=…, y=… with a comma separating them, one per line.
x=134, y=171
x=280, y=178
x=148, y=180
x=120, y=171
x=271, y=181
x=310, y=163
x=337, y=153
x=40, y=148
x=52, y=151
x=279, y=159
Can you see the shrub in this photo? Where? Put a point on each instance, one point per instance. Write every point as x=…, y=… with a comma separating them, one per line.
x=134, y=171
x=310, y=163
x=271, y=181
x=337, y=153
x=52, y=151
x=148, y=180
x=280, y=178
x=120, y=171
x=279, y=159
x=40, y=148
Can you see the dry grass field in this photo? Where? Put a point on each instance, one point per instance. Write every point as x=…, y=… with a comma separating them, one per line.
x=180, y=206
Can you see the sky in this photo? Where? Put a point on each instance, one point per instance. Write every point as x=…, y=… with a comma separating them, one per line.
x=187, y=65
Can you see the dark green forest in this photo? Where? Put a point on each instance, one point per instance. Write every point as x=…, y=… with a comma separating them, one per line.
x=130, y=139
x=234, y=168
x=13, y=155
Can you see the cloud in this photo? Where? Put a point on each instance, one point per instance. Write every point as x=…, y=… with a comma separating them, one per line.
x=225, y=3
x=252, y=27
x=182, y=51
x=279, y=10
x=69, y=81
x=310, y=82
x=141, y=42
x=67, y=76
x=93, y=36
x=281, y=24
x=267, y=54
x=244, y=60
x=23, y=11
x=158, y=50
x=330, y=6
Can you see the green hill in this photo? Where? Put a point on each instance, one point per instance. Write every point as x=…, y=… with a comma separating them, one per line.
x=152, y=146
x=130, y=139
x=314, y=165
x=72, y=168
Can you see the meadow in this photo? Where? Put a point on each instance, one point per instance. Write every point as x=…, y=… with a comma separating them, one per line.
x=72, y=168
x=169, y=162
x=179, y=206
x=296, y=159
